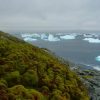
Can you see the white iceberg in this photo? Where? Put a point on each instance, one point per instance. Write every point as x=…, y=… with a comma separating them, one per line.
x=97, y=58
x=88, y=35
x=92, y=40
x=26, y=35
x=52, y=38
x=35, y=35
x=49, y=37
x=44, y=36
x=68, y=37
x=28, y=39
x=97, y=68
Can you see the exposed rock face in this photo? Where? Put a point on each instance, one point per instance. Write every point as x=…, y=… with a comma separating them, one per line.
x=92, y=81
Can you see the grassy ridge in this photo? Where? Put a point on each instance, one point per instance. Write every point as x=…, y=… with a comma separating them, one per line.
x=30, y=73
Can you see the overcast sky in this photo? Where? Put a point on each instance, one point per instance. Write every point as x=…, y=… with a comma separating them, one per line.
x=49, y=15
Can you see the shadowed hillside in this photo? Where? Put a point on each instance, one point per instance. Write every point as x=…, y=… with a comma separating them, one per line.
x=30, y=73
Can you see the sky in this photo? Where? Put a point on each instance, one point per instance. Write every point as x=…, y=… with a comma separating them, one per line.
x=49, y=15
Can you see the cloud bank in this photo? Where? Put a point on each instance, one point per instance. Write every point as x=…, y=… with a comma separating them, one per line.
x=49, y=15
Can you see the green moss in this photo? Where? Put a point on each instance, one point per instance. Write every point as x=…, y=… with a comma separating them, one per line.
x=21, y=93
x=87, y=77
x=29, y=73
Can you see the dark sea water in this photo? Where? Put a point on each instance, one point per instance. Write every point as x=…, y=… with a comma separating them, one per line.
x=75, y=50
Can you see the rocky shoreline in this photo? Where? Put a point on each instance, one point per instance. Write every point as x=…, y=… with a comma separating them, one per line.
x=91, y=79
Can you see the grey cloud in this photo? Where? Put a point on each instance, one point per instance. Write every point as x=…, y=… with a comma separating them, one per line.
x=49, y=14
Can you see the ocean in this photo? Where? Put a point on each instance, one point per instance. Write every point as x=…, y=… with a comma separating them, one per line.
x=79, y=48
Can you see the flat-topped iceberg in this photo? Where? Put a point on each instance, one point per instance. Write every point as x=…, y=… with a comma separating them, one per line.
x=26, y=35
x=68, y=37
x=97, y=58
x=88, y=35
x=28, y=39
x=92, y=40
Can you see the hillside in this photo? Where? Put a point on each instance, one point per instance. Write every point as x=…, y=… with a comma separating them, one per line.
x=30, y=73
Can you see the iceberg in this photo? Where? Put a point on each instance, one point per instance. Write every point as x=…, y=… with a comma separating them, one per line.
x=52, y=38
x=97, y=68
x=97, y=58
x=44, y=36
x=35, y=35
x=88, y=35
x=68, y=37
x=92, y=40
x=28, y=39
x=26, y=35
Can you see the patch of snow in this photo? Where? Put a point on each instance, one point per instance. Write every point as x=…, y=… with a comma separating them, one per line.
x=68, y=37
x=92, y=40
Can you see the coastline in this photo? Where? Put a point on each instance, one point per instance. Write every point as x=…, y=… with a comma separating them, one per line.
x=88, y=75
x=91, y=79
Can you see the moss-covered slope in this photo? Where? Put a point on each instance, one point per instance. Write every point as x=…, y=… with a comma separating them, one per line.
x=30, y=73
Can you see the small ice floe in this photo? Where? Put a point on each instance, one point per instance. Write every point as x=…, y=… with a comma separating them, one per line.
x=52, y=38
x=68, y=37
x=28, y=39
x=96, y=68
x=97, y=58
x=92, y=40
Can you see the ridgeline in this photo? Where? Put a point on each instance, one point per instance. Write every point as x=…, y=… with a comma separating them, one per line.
x=30, y=73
